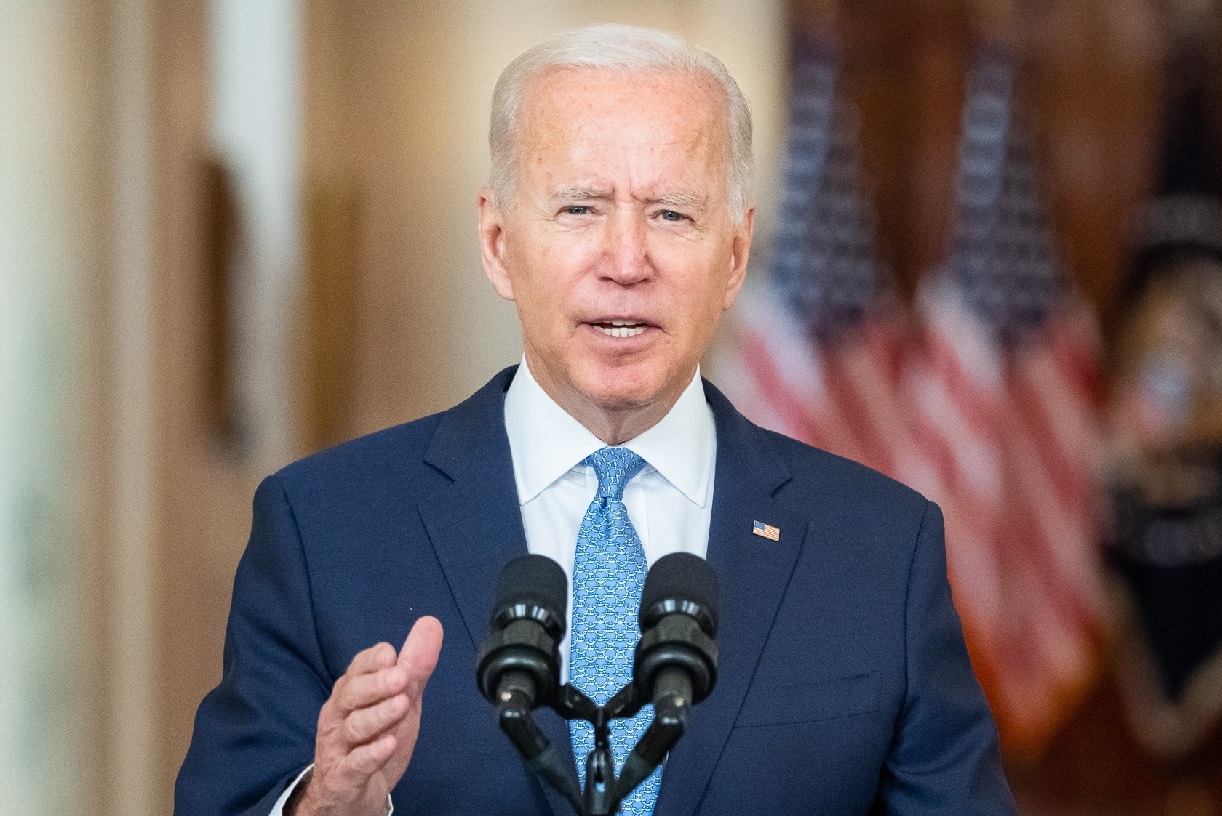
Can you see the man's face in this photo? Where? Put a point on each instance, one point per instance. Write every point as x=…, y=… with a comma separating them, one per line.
x=618, y=248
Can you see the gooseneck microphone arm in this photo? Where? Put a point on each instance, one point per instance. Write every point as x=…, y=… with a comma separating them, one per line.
x=674, y=667
x=541, y=756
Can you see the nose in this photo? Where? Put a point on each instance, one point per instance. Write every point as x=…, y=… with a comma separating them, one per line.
x=627, y=253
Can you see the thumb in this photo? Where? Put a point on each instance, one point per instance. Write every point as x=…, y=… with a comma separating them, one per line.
x=420, y=653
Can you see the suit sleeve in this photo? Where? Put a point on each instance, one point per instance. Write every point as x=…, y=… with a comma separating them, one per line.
x=254, y=733
x=945, y=758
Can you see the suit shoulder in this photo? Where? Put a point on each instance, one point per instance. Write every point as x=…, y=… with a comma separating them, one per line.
x=811, y=471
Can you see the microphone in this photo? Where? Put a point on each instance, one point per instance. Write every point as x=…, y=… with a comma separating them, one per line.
x=676, y=659
x=519, y=663
x=675, y=664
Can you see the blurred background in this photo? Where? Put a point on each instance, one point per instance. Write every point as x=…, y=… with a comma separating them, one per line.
x=988, y=261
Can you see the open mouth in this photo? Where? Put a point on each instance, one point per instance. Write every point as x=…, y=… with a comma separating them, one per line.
x=621, y=328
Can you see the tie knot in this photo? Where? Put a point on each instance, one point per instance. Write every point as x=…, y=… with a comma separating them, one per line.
x=615, y=468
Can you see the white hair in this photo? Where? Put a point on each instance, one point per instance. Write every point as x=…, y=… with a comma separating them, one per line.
x=624, y=48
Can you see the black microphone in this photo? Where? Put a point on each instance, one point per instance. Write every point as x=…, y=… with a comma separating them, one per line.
x=519, y=663
x=520, y=658
x=676, y=658
x=675, y=664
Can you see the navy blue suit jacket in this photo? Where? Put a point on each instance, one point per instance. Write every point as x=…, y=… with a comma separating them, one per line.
x=843, y=688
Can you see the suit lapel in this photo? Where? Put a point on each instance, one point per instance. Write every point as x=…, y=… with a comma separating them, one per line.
x=753, y=572
x=475, y=523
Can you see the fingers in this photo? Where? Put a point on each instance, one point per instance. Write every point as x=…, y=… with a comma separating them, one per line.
x=376, y=657
x=367, y=701
x=365, y=724
x=379, y=689
x=367, y=729
x=356, y=691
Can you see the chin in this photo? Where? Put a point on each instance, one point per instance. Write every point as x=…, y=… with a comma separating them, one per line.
x=621, y=391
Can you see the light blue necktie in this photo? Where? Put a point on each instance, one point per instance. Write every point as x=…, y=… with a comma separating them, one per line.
x=608, y=573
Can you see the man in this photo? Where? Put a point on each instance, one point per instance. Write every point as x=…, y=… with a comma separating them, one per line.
x=617, y=221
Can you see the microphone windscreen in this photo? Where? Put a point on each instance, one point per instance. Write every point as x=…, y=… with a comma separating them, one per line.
x=535, y=580
x=676, y=580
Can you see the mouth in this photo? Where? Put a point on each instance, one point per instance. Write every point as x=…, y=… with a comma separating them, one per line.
x=621, y=327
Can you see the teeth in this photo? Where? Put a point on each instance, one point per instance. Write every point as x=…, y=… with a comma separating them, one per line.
x=624, y=323
x=622, y=329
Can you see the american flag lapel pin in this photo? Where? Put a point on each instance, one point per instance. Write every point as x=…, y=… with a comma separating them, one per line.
x=766, y=531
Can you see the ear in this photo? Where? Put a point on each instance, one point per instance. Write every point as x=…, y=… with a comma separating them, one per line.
x=492, y=243
x=740, y=250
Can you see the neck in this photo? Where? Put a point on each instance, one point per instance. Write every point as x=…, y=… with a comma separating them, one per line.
x=615, y=427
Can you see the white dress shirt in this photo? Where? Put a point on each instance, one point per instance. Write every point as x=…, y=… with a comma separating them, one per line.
x=670, y=502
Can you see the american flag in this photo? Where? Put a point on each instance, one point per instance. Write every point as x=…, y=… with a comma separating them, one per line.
x=1004, y=395
x=766, y=531
x=817, y=351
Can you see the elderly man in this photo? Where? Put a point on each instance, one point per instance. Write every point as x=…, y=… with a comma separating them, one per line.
x=618, y=222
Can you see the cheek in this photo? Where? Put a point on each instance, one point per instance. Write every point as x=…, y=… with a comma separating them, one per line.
x=542, y=301
x=704, y=311
x=708, y=295
x=544, y=262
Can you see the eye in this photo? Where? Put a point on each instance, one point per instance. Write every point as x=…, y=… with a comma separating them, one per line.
x=671, y=215
x=576, y=209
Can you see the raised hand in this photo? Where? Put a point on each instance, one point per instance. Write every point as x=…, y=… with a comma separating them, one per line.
x=367, y=729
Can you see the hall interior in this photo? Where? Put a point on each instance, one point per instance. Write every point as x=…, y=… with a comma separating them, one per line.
x=235, y=233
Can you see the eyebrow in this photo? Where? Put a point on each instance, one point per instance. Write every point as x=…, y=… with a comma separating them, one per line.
x=569, y=195
x=678, y=200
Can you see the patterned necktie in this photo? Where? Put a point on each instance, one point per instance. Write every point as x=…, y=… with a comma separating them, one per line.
x=608, y=573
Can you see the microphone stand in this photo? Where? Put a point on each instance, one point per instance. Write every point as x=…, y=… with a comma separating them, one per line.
x=603, y=790
x=674, y=666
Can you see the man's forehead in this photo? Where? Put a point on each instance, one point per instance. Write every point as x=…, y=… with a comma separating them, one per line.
x=591, y=88
x=659, y=137
x=605, y=110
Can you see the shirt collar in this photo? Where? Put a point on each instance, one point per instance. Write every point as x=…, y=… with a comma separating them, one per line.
x=546, y=442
